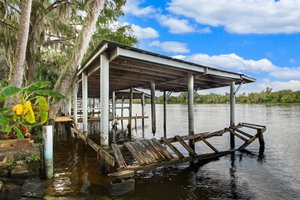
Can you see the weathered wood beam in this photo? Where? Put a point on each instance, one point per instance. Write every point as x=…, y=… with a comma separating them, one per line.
x=174, y=149
x=187, y=147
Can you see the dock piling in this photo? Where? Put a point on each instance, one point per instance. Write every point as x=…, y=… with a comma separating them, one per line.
x=191, y=108
x=153, y=111
x=232, y=114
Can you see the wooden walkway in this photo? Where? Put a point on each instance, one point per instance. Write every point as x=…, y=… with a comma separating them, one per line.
x=153, y=153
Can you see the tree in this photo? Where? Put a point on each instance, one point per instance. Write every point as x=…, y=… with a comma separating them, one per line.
x=68, y=75
x=17, y=70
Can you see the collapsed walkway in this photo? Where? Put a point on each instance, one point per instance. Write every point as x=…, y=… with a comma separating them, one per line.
x=153, y=153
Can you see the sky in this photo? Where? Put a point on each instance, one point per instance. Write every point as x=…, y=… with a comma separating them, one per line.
x=259, y=38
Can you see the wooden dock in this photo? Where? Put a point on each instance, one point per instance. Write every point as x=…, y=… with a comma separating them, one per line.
x=152, y=153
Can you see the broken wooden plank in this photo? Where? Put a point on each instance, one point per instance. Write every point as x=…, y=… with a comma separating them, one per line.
x=175, y=161
x=210, y=145
x=101, y=151
x=186, y=146
x=148, y=154
x=156, y=144
x=172, y=147
x=122, y=174
x=118, y=155
x=243, y=132
x=155, y=154
x=135, y=153
x=238, y=135
x=248, y=142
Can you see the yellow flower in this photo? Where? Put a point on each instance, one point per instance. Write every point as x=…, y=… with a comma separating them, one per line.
x=18, y=109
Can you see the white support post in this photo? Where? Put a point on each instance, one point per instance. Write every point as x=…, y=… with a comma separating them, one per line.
x=232, y=113
x=191, y=108
x=75, y=109
x=69, y=105
x=85, y=101
x=104, y=100
x=48, y=151
x=153, y=113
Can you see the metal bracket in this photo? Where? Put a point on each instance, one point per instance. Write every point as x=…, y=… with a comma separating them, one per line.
x=237, y=89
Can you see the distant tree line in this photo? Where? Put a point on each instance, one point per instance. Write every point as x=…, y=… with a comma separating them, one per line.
x=264, y=97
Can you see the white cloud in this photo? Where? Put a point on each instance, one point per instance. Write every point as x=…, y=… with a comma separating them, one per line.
x=144, y=33
x=179, y=57
x=236, y=63
x=176, y=26
x=233, y=61
x=242, y=16
x=170, y=46
x=133, y=7
x=286, y=73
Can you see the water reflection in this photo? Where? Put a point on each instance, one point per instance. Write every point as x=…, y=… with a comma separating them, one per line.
x=271, y=173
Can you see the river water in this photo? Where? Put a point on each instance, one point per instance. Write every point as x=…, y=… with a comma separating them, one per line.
x=272, y=174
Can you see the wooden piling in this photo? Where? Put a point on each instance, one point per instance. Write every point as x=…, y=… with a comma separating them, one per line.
x=153, y=111
x=143, y=114
x=261, y=138
x=191, y=108
x=122, y=114
x=130, y=114
x=232, y=114
x=165, y=114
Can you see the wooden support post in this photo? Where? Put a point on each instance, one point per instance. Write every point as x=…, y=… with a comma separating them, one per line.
x=130, y=113
x=153, y=111
x=135, y=123
x=261, y=138
x=191, y=108
x=143, y=114
x=75, y=108
x=94, y=107
x=122, y=113
x=165, y=114
x=85, y=101
x=232, y=114
x=114, y=128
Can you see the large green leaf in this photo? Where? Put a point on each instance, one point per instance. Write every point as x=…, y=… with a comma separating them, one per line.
x=30, y=117
x=49, y=93
x=9, y=91
x=37, y=85
x=43, y=109
x=18, y=132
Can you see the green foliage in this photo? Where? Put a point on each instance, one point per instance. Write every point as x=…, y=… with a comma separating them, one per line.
x=264, y=97
x=31, y=110
x=32, y=158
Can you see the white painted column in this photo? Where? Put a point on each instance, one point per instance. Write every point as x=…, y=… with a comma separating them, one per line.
x=85, y=101
x=75, y=109
x=48, y=151
x=191, y=108
x=69, y=103
x=104, y=100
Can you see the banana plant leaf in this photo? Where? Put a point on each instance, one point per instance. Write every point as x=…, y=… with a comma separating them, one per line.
x=49, y=93
x=36, y=86
x=43, y=109
x=9, y=91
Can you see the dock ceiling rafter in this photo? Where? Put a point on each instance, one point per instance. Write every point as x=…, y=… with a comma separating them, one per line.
x=132, y=67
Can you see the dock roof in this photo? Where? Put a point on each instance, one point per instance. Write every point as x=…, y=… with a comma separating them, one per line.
x=137, y=68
